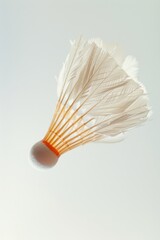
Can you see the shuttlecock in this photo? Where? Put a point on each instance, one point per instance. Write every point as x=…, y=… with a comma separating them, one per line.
x=99, y=99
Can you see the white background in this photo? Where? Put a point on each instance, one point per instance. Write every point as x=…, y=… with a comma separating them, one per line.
x=97, y=191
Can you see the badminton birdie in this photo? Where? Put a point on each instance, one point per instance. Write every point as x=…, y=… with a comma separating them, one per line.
x=100, y=98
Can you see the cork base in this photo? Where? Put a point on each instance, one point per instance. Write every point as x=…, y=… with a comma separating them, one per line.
x=42, y=156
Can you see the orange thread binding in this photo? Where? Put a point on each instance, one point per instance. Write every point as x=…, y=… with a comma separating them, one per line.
x=51, y=148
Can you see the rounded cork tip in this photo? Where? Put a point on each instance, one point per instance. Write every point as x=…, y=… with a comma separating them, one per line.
x=42, y=156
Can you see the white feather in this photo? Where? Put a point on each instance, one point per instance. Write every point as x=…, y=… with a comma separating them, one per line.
x=95, y=79
x=130, y=66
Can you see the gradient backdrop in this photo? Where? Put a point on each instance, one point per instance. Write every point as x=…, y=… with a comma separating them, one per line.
x=98, y=191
